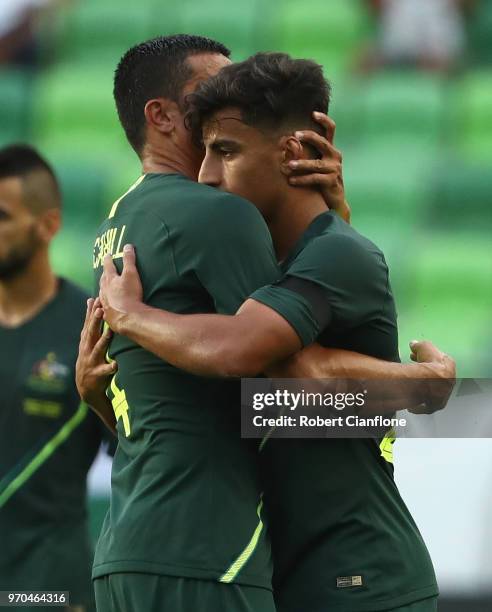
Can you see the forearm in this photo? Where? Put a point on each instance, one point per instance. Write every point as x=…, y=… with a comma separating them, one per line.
x=203, y=344
x=319, y=362
x=391, y=386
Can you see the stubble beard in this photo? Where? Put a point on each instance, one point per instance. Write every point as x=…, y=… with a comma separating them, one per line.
x=17, y=260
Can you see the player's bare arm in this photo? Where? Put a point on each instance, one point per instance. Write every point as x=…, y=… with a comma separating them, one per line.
x=201, y=344
x=422, y=390
x=92, y=372
x=255, y=340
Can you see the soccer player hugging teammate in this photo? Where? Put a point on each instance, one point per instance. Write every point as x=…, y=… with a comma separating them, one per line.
x=185, y=528
x=342, y=537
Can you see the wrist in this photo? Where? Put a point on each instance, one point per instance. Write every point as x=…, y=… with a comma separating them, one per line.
x=125, y=320
x=433, y=369
x=424, y=373
x=414, y=380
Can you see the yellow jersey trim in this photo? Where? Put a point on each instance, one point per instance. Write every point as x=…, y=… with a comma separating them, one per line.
x=44, y=454
x=244, y=557
x=112, y=212
x=386, y=445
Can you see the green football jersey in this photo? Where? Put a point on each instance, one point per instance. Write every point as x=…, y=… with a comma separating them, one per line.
x=48, y=440
x=342, y=537
x=185, y=497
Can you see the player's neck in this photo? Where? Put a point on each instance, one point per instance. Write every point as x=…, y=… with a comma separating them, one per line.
x=292, y=218
x=23, y=296
x=161, y=161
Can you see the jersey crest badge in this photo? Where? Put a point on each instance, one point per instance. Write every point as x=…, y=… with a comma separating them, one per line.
x=49, y=375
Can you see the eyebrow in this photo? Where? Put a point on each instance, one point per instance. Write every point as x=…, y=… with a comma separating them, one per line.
x=223, y=142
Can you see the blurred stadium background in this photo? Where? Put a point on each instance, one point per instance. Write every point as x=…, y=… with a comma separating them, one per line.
x=417, y=164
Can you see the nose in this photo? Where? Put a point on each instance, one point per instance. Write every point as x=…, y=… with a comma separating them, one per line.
x=210, y=172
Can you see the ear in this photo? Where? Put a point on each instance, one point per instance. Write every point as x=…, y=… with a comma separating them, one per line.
x=49, y=224
x=291, y=150
x=161, y=114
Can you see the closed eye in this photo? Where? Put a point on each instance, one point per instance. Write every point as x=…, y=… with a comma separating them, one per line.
x=225, y=149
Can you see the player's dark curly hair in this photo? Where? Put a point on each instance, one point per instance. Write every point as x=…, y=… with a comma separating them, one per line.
x=156, y=68
x=272, y=90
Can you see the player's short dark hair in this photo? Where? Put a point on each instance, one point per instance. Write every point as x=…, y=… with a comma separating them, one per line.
x=40, y=186
x=272, y=90
x=156, y=68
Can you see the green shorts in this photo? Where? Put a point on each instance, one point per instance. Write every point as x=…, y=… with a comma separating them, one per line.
x=424, y=605
x=132, y=592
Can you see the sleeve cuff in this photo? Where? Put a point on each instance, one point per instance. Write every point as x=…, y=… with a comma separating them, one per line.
x=293, y=307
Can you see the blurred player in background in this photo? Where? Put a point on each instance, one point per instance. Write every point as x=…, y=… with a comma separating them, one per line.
x=342, y=536
x=422, y=34
x=48, y=439
x=19, y=31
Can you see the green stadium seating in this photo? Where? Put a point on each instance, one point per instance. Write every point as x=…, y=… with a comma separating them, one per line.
x=398, y=106
x=75, y=112
x=447, y=264
x=71, y=254
x=124, y=171
x=15, y=105
x=384, y=183
x=345, y=109
x=164, y=17
x=95, y=32
x=472, y=115
x=235, y=24
x=88, y=192
x=449, y=297
x=84, y=191
x=389, y=187
x=385, y=189
x=461, y=196
x=329, y=32
x=408, y=105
